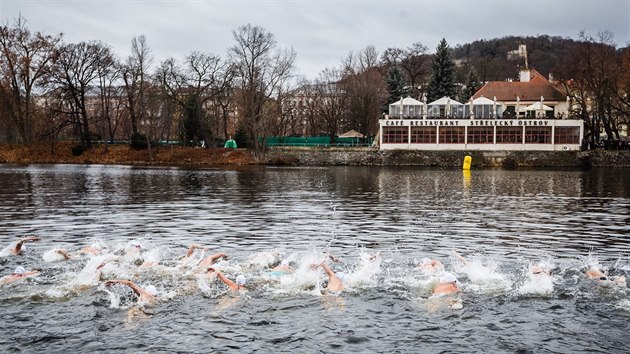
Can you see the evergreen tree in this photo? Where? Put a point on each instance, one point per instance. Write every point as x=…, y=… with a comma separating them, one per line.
x=443, y=74
x=472, y=85
x=193, y=124
x=395, y=82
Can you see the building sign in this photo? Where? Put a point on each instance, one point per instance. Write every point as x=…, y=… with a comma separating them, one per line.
x=467, y=122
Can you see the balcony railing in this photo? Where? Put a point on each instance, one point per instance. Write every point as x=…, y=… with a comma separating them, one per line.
x=504, y=116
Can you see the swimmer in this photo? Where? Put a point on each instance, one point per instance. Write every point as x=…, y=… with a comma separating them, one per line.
x=540, y=269
x=62, y=252
x=430, y=265
x=334, y=259
x=56, y=255
x=235, y=286
x=146, y=296
x=192, y=249
x=91, y=250
x=335, y=281
x=595, y=273
x=19, y=273
x=19, y=246
x=282, y=268
x=460, y=257
x=447, y=285
x=208, y=261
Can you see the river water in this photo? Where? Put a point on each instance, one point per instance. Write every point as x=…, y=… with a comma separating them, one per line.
x=502, y=222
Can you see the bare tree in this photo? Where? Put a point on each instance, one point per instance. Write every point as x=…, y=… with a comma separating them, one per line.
x=283, y=117
x=25, y=61
x=366, y=90
x=592, y=76
x=414, y=62
x=331, y=101
x=308, y=100
x=135, y=76
x=194, y=87
x=76, y=71
x=260, y=69
x=111, y=106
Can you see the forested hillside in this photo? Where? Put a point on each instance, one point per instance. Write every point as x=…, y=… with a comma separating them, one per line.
x=547, y=54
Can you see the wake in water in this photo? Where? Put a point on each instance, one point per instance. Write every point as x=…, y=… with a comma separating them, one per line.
x=136, y=275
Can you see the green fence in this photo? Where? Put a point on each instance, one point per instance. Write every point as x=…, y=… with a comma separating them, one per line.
x=316, y=141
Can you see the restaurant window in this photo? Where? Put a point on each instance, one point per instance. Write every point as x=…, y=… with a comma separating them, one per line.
x=395, y=135
x=452, y=135
x=509, y=135
x=567, y=135
x=480, y=135
x=423, y=135
x=537, y=135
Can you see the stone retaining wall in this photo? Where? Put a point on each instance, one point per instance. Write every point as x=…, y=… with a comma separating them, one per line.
x=508, y=159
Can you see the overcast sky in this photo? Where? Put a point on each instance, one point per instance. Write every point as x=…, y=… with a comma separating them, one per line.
x=322, y=32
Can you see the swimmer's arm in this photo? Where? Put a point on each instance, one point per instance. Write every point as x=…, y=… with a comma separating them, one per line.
x=133, y=286
x=334, y=259
x=64, y=253
x=460, y=257
x=192, y=249
x=103, y=263
x=232, y=285
x=327, y=269
x=214, y=257
x=18, y=246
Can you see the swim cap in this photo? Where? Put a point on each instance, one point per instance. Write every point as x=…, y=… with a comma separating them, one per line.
x=19, y=270
x=425, y=260
x=240, y=280
x=448, y=278
x=135, y=243
x=284, y=262
x=151, y=290
x=341, y=275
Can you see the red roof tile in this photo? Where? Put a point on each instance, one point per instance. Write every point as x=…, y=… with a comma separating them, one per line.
x=527, y=91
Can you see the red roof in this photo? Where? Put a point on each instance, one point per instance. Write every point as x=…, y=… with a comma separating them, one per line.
x=527, y=91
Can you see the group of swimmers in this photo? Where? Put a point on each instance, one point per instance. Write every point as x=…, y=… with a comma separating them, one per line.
x=447, y=283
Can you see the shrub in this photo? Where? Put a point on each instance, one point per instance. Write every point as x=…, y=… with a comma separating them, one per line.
x=77, y=150
x=138, y=141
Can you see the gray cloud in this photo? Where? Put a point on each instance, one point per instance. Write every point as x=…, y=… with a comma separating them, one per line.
x=322, y=32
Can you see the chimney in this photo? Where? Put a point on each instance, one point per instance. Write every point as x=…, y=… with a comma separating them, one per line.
x=525, y=75
x=551, y=78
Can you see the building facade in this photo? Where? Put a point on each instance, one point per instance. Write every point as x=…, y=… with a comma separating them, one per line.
x=510, y=118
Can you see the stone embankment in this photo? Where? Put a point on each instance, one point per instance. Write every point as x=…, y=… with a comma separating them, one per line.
x=308, y=156
x=447, y=159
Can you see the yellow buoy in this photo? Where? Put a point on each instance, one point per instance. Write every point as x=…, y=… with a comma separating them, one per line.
x=467, y=162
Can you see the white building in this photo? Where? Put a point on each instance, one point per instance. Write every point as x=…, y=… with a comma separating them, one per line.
x=508, y=119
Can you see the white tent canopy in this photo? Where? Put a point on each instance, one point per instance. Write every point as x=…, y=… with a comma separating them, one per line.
x=407, y=101
x=406, y=106
x=352, y=134
x=444, y=101
x=446, y=107
x=538, y=106
x=483, y=101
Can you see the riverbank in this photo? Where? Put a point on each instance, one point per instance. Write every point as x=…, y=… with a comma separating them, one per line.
x=447, y=159
x=124, y=155
x=308, y=156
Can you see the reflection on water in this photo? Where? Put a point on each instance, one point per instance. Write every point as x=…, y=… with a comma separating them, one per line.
x=502, y=220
